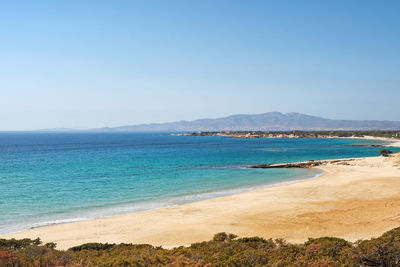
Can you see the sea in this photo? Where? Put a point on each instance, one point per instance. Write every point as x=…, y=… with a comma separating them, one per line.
x=51, y=177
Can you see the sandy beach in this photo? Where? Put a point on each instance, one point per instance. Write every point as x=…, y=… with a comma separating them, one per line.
x=392, y=142
x=354, y=200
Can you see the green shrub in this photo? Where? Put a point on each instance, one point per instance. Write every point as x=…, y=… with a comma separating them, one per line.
x=19, y=244
x=385, y=152
x=93, y=246
x=223, y=237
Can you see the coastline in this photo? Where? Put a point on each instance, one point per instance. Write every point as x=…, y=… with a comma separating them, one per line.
x=392, y=141
x=354, y=201
x=312, y=174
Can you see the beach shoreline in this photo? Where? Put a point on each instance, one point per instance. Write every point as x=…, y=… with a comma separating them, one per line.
x=392, y=141
x=215, y=194
x=355, y=200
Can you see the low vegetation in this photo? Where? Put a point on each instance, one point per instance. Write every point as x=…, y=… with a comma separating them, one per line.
x=223, y=250
x=385, y=152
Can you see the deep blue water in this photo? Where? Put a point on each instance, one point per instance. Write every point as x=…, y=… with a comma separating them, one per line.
x=58, y=177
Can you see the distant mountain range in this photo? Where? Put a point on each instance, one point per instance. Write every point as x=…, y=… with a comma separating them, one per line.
x=271, y=121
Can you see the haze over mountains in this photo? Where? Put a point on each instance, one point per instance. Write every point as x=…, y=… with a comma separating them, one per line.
x=271, y=121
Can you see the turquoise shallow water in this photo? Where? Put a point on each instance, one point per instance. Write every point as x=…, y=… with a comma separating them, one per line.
x=50, y=178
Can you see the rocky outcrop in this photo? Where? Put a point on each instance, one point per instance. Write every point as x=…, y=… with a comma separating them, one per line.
x=304, y=164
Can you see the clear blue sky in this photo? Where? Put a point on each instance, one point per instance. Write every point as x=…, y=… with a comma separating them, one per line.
x=85, y=64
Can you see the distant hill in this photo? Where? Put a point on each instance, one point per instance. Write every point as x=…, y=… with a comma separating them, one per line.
x=271, y=121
